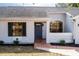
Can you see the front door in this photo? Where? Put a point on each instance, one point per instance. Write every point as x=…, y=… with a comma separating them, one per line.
x=38, y=30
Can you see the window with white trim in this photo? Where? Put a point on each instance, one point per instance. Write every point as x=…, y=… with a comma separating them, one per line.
x=16, y=29
x=56, y=26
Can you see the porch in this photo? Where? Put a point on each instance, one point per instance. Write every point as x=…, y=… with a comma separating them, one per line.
x=53, y=32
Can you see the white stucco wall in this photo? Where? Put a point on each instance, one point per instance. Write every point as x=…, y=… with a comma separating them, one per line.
x=28, y=39
x=69, y=23
x=50, y=37
x=56, y=37
x=76, y=30
x=58, y=16
x=44, y=31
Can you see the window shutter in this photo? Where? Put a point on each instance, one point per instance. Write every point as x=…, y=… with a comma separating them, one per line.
x=24, y=29
x=10, y=29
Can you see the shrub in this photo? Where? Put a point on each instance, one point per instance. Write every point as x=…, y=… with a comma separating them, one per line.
x=1, y=42
x=62, y=41
x=16, y=41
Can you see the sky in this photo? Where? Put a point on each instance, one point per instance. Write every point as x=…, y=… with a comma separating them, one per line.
x=35, y=2
x=30, y=2
x=27, y=4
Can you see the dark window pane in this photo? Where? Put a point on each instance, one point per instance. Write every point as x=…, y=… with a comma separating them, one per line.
x=56, y=26
x=16, y=29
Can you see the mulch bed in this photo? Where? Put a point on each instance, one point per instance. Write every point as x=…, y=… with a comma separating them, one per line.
x=24, y=50
x=68, y=44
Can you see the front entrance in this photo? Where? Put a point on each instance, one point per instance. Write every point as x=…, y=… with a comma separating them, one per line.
x=38, y=30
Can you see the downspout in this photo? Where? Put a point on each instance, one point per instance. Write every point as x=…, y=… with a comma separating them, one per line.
x=73, y=31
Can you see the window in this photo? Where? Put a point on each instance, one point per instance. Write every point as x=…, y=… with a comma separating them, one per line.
x=16, y=29
x=56, y=26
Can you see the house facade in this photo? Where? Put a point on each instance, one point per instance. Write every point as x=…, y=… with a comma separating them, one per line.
x=27, y=24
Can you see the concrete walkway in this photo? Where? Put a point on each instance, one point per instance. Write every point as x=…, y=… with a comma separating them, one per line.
x=67, y=52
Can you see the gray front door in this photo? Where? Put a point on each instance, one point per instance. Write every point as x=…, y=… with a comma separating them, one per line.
x=38, y=30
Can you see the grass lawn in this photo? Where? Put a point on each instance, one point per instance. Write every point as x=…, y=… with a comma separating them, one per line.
x=24, y=51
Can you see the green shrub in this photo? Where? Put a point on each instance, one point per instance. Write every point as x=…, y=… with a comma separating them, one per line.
x=1, y=42
x=16, y=41
x=62, y=41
